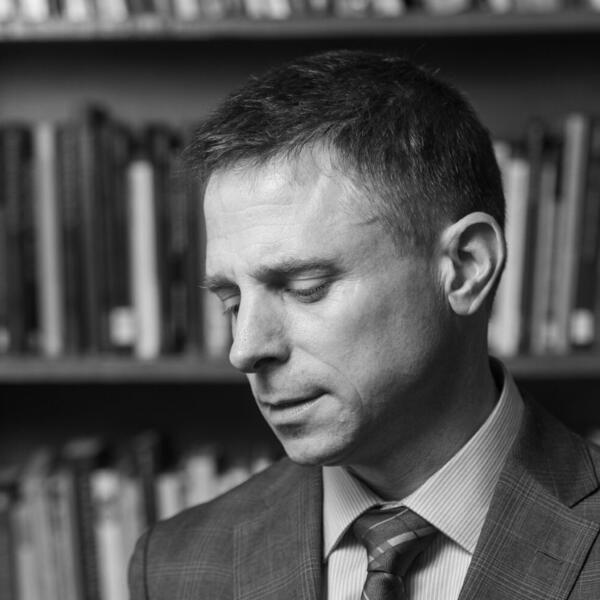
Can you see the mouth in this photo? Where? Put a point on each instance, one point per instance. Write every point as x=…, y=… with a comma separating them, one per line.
x=290, y=409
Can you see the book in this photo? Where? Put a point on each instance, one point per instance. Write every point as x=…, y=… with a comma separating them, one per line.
x=446, y=7
x=112, y=11
x=49, y=250
x=538, y=6
x=63, y=516
x=159, y=145
x=34, y=11
x=8, y=10
x=120, y=318
x=189, y=10
x=351, y=8
x=179, y=247
x=570, y=212
x=535, y=145
x=112, y=558
x=498, y=6
x=583, y=321
x=507, y=323
x=143, y=252
x=78, y=11
x=388, y=8
x=194, y=258
x=541, y=326
x=33, y=483
x=82, y=456
x=200, y=475
x=8, y=573
x=69, y=217
x=15, y=178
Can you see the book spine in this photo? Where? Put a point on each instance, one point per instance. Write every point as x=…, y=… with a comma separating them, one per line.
x=80, y=458
x=144, y=271
x=69, y=210
x=112, y=561
x=5, y=268
x=16, y=170
x=119, y=302
x=509, y=296
x=8, y=584
x=159, y=145
x=194, y=263
x=177, y=251
x=535, y=144
x=575, y=156
x=541, y=316
x=91, y=196
x=48, y=251
x=583, y=318
x=146, y=451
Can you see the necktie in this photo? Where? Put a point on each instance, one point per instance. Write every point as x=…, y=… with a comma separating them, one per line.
x=393, y=539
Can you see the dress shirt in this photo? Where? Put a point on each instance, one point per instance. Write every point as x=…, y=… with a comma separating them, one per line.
x=455, y=500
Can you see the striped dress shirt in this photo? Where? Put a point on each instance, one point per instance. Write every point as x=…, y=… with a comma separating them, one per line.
x=455, y=500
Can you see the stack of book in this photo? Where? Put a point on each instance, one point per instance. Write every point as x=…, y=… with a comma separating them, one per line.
x=549, y=299
x=101, y=242
x=69, y=520
x=153, y=13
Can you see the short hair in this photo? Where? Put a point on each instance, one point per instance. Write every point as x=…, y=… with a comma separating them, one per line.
x=411, y=141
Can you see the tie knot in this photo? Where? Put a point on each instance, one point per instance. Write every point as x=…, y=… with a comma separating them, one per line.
x=393, y=538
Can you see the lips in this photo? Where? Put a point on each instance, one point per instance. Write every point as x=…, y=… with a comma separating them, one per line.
x=287, y=410
x=290, y=402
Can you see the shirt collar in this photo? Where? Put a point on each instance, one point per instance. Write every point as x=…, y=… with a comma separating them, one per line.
x=455, y=499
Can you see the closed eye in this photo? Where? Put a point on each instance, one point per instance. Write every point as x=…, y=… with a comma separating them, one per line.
x=311, y=294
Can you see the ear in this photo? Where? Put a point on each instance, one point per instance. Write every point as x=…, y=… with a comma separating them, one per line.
x=473, y=252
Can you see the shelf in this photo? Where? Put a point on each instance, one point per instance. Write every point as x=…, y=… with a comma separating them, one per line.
x=577, y=366
x=198, y=370
x=116, y=370
x=568, y=22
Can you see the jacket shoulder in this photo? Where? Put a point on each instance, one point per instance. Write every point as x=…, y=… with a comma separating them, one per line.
x=191, y=554
x=237, y=505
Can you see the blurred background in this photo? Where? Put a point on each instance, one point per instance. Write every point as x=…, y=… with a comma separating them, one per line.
x=117, y=406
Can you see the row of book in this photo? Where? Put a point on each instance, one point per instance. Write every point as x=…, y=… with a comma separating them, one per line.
x=69, y=520
x=102, y=242
x=549, y=299
x=149, y=11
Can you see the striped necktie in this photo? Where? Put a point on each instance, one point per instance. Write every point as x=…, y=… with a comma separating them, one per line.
x=393, y=539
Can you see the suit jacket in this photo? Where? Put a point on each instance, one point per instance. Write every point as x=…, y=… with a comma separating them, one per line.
x=263, y=540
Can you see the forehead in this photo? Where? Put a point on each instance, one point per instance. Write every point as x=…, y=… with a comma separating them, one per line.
x=284, y=184
x=284, y=205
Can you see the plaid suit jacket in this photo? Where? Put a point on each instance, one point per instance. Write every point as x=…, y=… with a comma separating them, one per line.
x=263, y=540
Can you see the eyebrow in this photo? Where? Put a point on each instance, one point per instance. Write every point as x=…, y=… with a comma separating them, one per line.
x=283, y=269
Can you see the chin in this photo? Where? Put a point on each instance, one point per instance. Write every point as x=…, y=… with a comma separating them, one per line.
x=315, y=453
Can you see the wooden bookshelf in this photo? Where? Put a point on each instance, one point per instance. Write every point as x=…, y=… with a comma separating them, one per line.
x=410, y=25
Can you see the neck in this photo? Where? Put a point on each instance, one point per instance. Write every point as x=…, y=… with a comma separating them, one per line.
x=464, y=402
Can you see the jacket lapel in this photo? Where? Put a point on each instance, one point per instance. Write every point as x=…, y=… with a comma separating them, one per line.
x=533, y=545
x=278, y=554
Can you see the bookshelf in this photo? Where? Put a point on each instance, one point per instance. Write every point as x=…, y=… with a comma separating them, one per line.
x=411, y=25
x=512, y=66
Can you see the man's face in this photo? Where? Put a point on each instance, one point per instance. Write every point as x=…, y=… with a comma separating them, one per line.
x=337, y=330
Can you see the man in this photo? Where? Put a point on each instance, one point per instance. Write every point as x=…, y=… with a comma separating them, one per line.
x=354, y=217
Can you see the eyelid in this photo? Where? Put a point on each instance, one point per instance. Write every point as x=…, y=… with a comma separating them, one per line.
x=308, y=282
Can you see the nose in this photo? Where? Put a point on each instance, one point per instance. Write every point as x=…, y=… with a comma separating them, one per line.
x=259, y=338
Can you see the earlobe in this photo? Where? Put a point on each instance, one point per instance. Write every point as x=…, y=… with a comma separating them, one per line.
x=472, y=256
